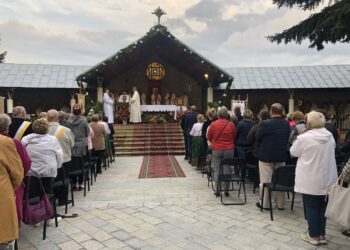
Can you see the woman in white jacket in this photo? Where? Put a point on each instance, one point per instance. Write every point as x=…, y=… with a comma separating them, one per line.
x=45, y=152
x=316, y=171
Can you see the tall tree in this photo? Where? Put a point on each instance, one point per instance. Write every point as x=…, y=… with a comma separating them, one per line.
x=330, y=25
x=2, y=56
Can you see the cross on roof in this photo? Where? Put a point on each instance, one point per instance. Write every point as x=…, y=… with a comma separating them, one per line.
x=159, y=13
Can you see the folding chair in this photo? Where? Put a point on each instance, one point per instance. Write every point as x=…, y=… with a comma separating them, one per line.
x=78, y=169
x=282, y=181
x=231, y=171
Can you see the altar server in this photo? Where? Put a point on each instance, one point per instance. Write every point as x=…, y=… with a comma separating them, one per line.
x=135, y=107
x=108, y=103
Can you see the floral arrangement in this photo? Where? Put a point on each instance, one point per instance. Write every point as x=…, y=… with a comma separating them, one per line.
x=123, y=113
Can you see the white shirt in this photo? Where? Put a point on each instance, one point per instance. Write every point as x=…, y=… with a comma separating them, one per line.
x=316, y=168
x=196, y=129
x=46, y=154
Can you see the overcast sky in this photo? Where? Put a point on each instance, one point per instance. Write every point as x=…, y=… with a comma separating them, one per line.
x=83, y=32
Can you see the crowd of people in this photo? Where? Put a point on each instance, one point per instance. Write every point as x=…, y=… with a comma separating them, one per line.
x=44, y=149
x=308, y=141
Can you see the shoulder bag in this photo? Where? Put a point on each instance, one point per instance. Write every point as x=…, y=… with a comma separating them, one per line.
x=40, y=211
x=339, y=203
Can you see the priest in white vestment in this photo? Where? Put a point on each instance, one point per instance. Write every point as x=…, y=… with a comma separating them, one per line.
x=108, y=103
x=135, y=107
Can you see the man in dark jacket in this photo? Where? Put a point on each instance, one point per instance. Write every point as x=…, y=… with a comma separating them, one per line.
x=272, y=137
x=190, y=119
x=19, y=126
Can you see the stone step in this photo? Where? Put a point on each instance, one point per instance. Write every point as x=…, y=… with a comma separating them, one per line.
x=145, y=152
x=136, y=148
x=145, y=139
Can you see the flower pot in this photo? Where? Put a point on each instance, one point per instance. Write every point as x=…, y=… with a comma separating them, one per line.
x=125, y=121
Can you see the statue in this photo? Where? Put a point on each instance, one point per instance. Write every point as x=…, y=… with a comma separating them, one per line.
x=143, y=98
x=173, y=99
x=155, y=97
x=185, y=100
x=167, y=99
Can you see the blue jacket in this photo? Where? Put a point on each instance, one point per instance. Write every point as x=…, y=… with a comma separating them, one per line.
x=243, y=129
x=190, y=119
x=273, y=137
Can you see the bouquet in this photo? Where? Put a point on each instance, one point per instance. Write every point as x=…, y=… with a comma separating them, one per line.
x=123, y=113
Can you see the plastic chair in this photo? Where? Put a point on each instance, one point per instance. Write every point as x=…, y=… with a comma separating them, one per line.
x=282, y=181
x=63, y=180
x=232, y=170
x=78, y=169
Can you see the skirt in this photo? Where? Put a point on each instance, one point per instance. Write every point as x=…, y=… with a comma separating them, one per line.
x=197, y=142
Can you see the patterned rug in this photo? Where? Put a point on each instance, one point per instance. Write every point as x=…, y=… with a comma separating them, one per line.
x=160, y=166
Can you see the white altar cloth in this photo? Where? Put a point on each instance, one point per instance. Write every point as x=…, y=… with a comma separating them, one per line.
x=163, y=108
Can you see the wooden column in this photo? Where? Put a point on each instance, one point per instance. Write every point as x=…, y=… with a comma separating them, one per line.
x=2, y=104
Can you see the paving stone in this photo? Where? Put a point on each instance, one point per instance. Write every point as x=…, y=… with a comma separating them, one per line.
x=122, y=235
x=114, y=244
x=80, y=237
x=124, y=212
x=92, y=245
x=136, y=243
x=71, y=245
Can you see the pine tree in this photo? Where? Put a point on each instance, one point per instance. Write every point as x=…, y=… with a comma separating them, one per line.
x=330, y=25
x=2, y=56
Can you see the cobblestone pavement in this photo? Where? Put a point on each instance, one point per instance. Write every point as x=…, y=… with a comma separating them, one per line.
x=124, y=212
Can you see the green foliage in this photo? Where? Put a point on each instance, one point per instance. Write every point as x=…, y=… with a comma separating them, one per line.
x=92, y=107
x=2, y=56
x=331, y=25
x=214, y=105
x=303, y=4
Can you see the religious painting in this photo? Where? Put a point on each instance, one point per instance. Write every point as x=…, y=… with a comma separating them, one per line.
x=155, y=71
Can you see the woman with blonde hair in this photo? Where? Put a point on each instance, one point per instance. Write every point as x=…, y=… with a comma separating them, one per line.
x=316, y=171
x=197, y=140
x=45, y=152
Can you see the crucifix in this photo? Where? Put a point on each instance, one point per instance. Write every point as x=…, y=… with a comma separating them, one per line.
x=159, y=13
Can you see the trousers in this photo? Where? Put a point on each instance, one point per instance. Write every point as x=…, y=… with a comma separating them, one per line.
x=315, y=209
x=217, y=156
x=266, y=171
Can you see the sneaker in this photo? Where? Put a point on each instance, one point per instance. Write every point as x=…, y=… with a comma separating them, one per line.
x=323, y=242
x=306, y=237
x=51, y=222
x=227, y=194
x=81, y=188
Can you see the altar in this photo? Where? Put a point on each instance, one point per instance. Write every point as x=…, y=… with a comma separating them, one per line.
x=163, y=108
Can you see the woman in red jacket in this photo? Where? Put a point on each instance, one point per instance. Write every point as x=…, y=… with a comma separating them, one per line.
x=221, y=135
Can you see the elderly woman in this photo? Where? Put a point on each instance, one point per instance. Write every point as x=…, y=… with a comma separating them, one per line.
x=221, y=135
x=45, y=152
x=5, y=122
x=11, y=176
x=197, y=141
x=316, y=171
x=98, y=142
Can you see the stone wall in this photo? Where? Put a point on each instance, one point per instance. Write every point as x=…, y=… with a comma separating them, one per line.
x=174, y=81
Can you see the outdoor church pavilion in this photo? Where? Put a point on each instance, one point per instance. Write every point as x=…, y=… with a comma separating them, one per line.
x=158, y=60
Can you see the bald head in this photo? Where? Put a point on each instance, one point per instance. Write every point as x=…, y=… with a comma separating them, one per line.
x=52, y=115
x=19, y=112
x=277, y=109
x=193, y=108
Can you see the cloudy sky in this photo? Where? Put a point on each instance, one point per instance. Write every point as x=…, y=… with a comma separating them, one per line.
x=83, y=32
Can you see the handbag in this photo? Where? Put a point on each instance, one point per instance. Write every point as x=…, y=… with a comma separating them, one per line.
x=38, y=212
x=338, y=204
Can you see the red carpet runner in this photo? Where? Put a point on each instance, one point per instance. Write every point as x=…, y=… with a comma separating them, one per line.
x=160, y=166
